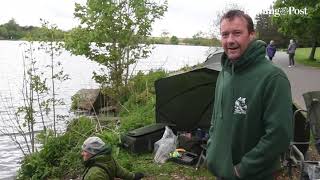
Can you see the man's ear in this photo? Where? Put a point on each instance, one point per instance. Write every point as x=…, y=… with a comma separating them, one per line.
x=252, y=35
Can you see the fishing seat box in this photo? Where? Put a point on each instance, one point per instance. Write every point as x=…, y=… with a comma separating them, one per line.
x=142, y=140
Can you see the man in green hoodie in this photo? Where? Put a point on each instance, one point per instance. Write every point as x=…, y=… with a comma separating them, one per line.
x=252, y=117
x=99, y=163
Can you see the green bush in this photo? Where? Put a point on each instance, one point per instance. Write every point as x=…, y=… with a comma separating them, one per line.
x=140, y=107
x=59, y=156
x=174, y=40
x=138, y=116
x=75, y=99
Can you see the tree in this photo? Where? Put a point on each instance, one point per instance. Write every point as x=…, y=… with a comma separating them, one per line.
x=3, y=32
x=218, y=15
x=37, y=102
x=114, y=34
x=267, y=31
x=50, y=45
x=12, y=30
x=27, y=111
x=165, y=33
x=201, y=39
x=22, y=119
x=174, y=40
x=196, y=38
x=164, y=37
x=304, y=23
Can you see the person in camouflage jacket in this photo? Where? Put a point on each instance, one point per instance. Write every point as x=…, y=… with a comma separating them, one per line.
x=99, y=163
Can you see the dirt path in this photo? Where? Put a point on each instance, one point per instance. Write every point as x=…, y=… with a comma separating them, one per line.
x=302, y=78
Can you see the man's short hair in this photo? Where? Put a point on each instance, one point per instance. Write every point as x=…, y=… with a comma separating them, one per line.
x=231, y=14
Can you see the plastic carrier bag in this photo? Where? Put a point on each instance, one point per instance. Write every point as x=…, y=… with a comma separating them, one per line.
x=313, y=171
x=165, y=146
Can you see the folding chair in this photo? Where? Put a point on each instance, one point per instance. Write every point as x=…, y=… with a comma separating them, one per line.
x=202, y=157
x=298, y=148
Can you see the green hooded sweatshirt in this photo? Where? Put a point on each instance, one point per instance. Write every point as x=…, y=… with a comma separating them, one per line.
x=252, y=118
x=96, y=167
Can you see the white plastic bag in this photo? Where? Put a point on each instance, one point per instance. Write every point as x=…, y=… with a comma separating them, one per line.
x=165, y=146
x=313, y=171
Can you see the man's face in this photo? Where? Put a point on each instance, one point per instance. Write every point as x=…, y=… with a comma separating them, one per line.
x=235, y=37
x=85, y=155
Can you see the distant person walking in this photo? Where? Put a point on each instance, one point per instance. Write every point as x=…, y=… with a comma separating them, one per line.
x=291, y=51
x=271, y=50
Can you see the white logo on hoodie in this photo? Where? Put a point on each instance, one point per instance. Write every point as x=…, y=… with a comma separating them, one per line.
x=240, y=106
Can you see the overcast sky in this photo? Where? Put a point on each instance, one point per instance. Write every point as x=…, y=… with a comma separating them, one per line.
x=184, y=18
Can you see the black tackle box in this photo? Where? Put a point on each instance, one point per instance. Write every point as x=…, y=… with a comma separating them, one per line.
x=142, y=140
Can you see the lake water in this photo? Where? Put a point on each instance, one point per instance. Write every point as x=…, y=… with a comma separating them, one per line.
x=168, y=57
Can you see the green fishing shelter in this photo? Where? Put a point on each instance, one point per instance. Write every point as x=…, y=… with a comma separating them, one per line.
x=186, y=99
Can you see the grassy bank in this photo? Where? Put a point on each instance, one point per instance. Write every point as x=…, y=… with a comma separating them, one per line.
x=302, y=55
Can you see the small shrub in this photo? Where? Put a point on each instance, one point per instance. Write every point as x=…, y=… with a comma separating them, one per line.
x=75, y=99
x=59, y=156
x=140, y=107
